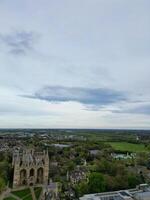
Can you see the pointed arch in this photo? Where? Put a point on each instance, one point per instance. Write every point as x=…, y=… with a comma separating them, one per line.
x=31, y=172
x=23, y=177
x=40, y=175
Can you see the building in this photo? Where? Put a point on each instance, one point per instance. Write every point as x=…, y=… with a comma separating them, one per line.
x=52, y=192
x=94, y=152
x=78, y=175
x=120, y=195
x=30, y=168
x=122, y=156
x=142, y=192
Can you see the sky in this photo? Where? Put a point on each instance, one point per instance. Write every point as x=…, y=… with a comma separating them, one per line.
x=75, y=64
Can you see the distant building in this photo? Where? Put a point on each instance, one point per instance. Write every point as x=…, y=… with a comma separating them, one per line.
x=77, y=176
x=94, y=152
x=142, y=192
x=30, y=168
x=52, y=192
x=121, y=156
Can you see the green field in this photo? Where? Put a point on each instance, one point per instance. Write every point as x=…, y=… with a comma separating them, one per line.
x=37, y=191
x=9, y=198
x=29, y=197
x=125, y=146
x=23, y=194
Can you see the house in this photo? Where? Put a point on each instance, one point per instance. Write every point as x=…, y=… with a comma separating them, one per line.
x=77, y=176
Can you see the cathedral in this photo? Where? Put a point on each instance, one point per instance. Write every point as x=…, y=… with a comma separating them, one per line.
x=30, y=168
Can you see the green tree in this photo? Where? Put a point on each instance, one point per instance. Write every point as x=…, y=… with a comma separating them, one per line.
x=133, y=180
x=121, y=182
x=82, y=188
x=70, y=166
x=2, y=184
x=96, y=183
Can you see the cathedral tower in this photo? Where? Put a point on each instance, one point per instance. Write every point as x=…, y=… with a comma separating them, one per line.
x=30, y=168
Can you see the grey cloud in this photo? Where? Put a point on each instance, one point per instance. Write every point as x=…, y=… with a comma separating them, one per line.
x=87, y=96
x=18, y=42
x=139, y=109
x=144, y=109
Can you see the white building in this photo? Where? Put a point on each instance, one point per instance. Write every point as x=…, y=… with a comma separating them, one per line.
x=142, y=192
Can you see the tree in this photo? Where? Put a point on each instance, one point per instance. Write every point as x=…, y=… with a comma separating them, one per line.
x=81, y=189
x=96, y=183
x=2, y=184
x=110, y=183
x=133, y=181
x=70, y=166
x=121, y=182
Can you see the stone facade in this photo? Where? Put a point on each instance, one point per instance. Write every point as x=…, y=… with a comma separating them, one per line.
x=30, y=168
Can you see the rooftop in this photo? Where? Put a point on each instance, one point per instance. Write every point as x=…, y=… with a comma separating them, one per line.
x=142, y=192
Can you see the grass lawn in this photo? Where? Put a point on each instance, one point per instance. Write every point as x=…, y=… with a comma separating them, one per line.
x=125, y=146
x=37, y=191
x=9, y=198
x=28, y=197
x=23, y=194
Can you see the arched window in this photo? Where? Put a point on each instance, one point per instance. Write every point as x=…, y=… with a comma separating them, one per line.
x=31, y=172
x=23, y=177
x=40, y=173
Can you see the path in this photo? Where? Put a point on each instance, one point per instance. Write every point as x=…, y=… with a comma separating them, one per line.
x=33, y=194
x=14, y=196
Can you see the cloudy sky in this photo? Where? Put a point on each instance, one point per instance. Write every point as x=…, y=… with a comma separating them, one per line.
x=75, y=64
